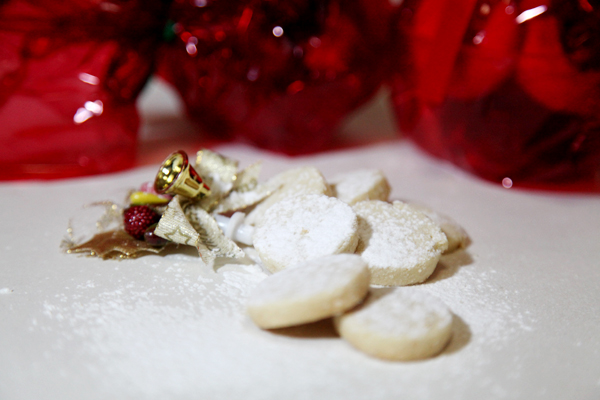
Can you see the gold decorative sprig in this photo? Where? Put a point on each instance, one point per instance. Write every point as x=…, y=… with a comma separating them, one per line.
x=184, y=221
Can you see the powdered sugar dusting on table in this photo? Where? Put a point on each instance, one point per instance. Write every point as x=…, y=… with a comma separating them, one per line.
x=524, y=304
x=168, y=326
x=486, y=307
x=154, y=336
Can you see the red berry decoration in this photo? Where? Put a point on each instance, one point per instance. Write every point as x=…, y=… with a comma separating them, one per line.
x=137, y=219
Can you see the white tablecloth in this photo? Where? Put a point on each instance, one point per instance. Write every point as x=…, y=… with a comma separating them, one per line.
x=525, y=294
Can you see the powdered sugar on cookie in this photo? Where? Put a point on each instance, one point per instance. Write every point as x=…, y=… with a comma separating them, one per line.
x=304, y=227
x=402, y=246
x=363, y=184
x=404, y=324
x=293, y=182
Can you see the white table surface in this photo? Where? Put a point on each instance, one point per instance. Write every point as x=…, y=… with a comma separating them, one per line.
x=526, y=294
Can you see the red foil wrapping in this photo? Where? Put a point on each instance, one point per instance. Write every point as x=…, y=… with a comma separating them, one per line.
x=70, y=72
x=278, y=74
x=506, y=89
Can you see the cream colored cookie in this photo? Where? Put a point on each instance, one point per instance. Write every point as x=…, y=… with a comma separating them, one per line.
x=403, y=325
x=401, y=245
x=305, y=227
x=456, y=235
x=363, y=184
x=293, y=182
x=314, y=290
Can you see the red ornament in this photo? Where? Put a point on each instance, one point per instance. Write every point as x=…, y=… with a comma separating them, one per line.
x=515, y=93
x=280, y=75
x=70, y=72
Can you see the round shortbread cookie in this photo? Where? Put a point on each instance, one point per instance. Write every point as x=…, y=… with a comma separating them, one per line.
x=456, y=235
x=401, y=245
x=363, y=184
x=314, y=290
x=305, y=227
x=293, y=182
x=405, y=324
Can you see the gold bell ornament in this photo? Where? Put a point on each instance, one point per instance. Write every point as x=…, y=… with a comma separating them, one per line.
x=177, y=176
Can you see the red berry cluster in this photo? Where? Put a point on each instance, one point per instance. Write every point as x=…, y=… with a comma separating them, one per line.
x=137, y=219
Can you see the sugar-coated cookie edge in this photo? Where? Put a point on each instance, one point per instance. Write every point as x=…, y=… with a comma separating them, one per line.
x=391, y=276
x=379, y=190
x=457, y=236
x=292, y=312
x=389, y=348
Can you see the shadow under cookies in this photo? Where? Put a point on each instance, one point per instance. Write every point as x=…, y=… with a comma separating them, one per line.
x=449, y=264
x=325, y=329
x=461, y=335
x=322, y=329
